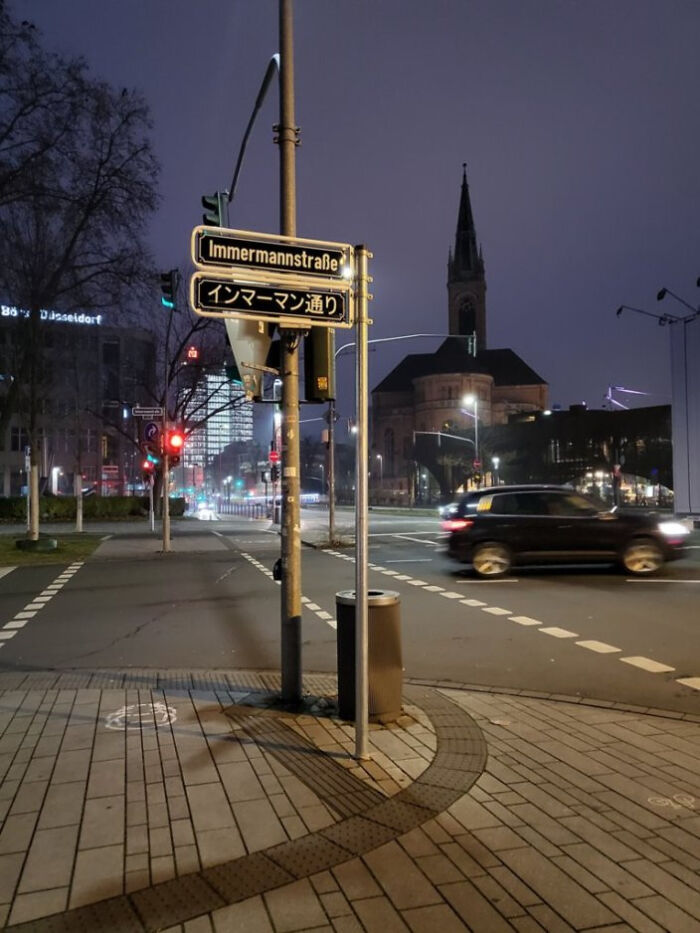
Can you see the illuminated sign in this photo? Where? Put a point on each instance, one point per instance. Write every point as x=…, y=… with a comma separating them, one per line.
x=61, y=317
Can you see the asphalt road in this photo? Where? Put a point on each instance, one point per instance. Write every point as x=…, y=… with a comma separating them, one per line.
x=593, y=633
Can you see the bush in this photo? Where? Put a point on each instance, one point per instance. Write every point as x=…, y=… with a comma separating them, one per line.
x=95, y=508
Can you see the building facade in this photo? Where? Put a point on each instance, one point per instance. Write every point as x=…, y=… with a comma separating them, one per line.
x=92, y=375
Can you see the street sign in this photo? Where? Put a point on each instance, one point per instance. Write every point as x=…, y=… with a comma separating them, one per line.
x=265, y=253
x=274, y=456
x=296, y=304
x=141, y=412
x=151, y=430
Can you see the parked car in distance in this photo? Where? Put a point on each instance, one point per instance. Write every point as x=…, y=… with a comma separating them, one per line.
x=498, y=527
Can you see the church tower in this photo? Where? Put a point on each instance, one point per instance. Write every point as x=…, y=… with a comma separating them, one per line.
x=466, y=282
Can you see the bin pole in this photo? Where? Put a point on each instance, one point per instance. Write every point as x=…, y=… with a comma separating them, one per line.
x=361, y=510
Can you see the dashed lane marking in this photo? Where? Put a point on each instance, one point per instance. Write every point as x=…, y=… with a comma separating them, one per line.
x=523, y=620
x=475, y=603
x=311, y=606
x=21, y=618
x=557, y=632
x=598, y=646
x=497, y=611
x=693, y=682
x=646, y=664
x=448, y=595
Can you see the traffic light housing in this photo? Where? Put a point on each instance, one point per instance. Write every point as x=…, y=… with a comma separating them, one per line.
x=274, y=472
x=173, y=445
x=319, y=365
x=215, y=209
x=169, y=282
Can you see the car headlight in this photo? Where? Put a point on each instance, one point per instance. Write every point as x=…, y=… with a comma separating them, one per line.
x=673, y=529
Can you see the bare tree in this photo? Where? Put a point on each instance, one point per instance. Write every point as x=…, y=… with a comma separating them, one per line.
x=73, y=236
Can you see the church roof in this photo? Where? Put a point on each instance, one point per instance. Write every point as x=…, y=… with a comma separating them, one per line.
x=504, y=366
x=466, y=261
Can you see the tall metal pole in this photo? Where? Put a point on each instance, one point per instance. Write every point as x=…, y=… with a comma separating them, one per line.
x=361, y=508
x=331, y=470
x=291, y=516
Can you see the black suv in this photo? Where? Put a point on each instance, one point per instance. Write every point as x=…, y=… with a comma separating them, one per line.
x=497, y=527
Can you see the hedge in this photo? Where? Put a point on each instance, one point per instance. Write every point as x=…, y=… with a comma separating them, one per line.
x=95, y=508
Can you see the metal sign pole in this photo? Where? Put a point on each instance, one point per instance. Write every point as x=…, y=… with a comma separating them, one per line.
x=291, y=516
x=361, y=508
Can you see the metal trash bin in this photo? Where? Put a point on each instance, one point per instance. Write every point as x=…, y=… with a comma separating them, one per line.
x=385, y=670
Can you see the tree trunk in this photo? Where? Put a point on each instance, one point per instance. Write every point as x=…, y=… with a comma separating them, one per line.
x=33, y=533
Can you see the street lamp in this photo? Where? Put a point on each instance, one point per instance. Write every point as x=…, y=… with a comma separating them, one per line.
x=381, y=470
x=474, y=401
x=496, y=462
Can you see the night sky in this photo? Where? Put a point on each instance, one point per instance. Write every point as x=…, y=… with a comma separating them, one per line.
x=579, y=121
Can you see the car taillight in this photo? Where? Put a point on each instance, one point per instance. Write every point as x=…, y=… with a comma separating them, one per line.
x=457, y=524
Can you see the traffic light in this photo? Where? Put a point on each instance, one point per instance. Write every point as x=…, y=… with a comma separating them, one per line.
x=169, y=282
x=274, y=472
x=215, y=209
x=319, y=365
x=173, y=445
x=148, y=467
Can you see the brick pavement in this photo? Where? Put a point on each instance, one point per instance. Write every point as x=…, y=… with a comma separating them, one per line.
x=185, y=801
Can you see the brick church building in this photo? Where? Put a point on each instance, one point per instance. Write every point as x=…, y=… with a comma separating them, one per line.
x=423, y=431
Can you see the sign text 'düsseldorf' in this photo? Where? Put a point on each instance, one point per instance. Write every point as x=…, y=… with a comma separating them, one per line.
x=269, y=253
x=211, y=296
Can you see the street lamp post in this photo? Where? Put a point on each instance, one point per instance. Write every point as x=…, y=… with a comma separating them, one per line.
x=496, y=462
x=381, y=472
x=474, y=401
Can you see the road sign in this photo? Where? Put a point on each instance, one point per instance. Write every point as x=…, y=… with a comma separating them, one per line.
x=141, y=412
x=271, y=253
x=274, y=456
x=294, y=305
x=151, y=430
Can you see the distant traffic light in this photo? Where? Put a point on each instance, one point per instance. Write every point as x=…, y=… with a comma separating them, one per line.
x=169, y=282
x=274, y=472
x=215, y=209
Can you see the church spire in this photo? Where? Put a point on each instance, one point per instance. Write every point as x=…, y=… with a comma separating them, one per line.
x=466, y=262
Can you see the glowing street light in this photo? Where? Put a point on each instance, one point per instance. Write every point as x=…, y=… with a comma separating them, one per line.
x=473, y=401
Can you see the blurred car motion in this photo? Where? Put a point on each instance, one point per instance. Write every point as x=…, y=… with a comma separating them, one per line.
x=498, y=527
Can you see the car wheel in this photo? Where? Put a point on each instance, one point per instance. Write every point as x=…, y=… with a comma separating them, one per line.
x=642, y=556
x=491, y=560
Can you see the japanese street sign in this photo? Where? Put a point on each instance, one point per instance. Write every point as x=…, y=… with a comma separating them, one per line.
x=295, y=304
x=142, y=412
x=270, y=253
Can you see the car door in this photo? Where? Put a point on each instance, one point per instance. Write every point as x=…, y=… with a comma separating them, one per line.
x=583, y=532
x=522, y=521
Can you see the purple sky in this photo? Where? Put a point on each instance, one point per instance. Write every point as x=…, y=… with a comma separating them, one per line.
x=579, y=122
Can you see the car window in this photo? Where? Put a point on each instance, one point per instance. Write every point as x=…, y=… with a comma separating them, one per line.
x=569, y=504
x=519, y=503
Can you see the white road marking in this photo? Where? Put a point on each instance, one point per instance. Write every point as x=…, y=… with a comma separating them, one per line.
x=646, y=664
x=434, y=589
x=10, y=634
x=31, y=606
x=693, y=682
x=472, y=602
x=598, y=646
x=314, y=606
x=411, y=560
x=26, y=615
x=5, y=570
x=322, y=614
x=403, y=576
x=449, y=595
x=390, y=573
x=16, y=623
x=418, y=582
x=633, y=580
x=524, y=620
x=490, y=582
x=419, y=540
x=497, y=611
x=558, y=632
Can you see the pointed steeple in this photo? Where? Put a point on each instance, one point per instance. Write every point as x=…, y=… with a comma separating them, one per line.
x=466, y=262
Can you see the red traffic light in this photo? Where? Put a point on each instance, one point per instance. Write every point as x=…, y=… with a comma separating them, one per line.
x=148, y=466
x=174, y=442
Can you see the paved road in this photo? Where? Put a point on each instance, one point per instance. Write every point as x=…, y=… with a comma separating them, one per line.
x=212, y=604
